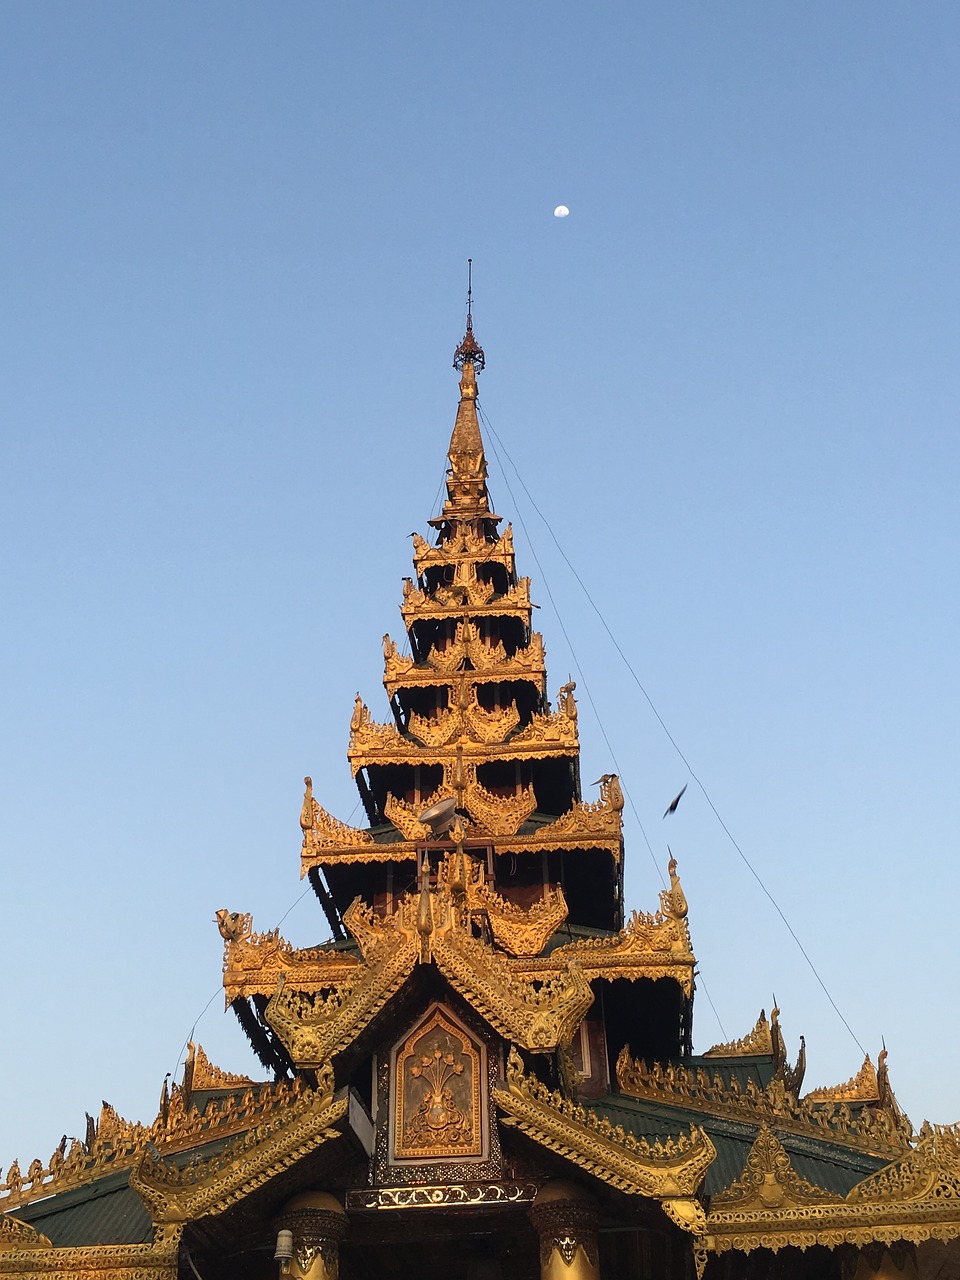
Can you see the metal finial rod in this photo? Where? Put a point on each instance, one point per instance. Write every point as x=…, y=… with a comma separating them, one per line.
x=469, y=293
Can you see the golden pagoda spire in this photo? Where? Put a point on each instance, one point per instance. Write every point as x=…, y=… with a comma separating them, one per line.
x=467, y=497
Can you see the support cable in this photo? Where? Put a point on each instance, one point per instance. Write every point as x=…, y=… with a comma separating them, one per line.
x=626, y=661
x=573, y=652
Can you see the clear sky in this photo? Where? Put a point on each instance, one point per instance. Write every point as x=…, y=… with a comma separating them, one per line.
x=233, y=254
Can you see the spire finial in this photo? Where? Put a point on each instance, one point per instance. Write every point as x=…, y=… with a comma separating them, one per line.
x=469, y=350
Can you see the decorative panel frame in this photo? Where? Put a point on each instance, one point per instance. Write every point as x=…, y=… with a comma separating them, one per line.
x=403, y=1164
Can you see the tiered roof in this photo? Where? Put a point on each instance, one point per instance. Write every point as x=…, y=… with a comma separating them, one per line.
x=505, y=934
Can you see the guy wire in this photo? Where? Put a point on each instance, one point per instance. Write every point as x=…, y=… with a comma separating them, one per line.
x=626, y=661
x=573, y=652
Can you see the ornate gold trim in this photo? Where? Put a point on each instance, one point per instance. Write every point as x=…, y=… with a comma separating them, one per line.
x=522, y=933
x=756, y=1043
x=768, y=1180
x=916, y=1198
x=860, y=1088
x=545, y=737
x=180, y=1194
x=313, y=1026
x=669, y=1171
x=154, y=1261
x=499, y=815
x=460, y=598
x=442, y=1196
x=254, y=963
x=115, y=1144
x=677, y=1085
x=15, y=1234
x=204, y=1075
x=650, y=946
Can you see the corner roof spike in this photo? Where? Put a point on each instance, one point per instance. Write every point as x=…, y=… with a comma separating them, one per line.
x=469, y=349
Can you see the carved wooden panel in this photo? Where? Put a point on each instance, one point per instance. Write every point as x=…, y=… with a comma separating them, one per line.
x=438, y=1078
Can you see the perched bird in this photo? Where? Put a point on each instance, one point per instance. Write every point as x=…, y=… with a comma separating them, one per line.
x=672, y=806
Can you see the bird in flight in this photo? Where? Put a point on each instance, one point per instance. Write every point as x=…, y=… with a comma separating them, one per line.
x=672, y=806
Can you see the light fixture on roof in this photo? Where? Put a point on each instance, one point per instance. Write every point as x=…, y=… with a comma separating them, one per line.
x=440, y=817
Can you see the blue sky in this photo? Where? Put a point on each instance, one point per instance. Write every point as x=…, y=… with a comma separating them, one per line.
x=233, y=257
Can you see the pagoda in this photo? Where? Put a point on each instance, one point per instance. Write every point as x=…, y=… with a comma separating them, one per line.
x=486, y=1071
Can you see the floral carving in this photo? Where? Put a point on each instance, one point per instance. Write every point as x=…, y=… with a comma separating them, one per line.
x=437, y=1082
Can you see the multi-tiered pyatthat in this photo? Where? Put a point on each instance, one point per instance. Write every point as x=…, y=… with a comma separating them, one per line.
x=481, y=864
x=471, y=721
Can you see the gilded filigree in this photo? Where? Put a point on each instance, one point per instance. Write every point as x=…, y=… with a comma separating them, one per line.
x=490, y=727
x=463, y=1195
x=553, y=727
x=175, y=1193
x=546, y=737
x=438, y=1073
x=769, y=1180
x=465, y=543
x=931, y=1171
x=321, y=830
x=253, y=963
x=436, y=730
x=15, y=1234
x=405, y=817
x=677, y=1085
x=496, y=814
x=649, y=946
x=522, y=932
x=757, y=1042
x=514, y=602
x=860, y=1088
x=154, y=1261
x=670, y=1170
x=539, y=1017
x=315, y=1025
x=914, y=1199
x=203, y=1074
x=585, y=820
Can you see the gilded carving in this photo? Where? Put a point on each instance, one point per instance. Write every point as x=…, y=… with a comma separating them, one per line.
x=861, y=1088
x=677, y=1085
x=514, y=602
x=203, y=1074
x=155, y=1261
x=438, y=730
x=253, y=963
x=177, y=1193
x=15, y=1234
x=499, y=815
x=669, y=1171
x=490, y=727
x=405, y=817
x=756, y=1042
x=522, y=933
x=442, y=1196
x=321, y=830
x=315, y=1025
x=539, y=1017
x=916, y=1198
x=438, y=1072
x=588, y=820
x=649, y=946
x=769, y=1180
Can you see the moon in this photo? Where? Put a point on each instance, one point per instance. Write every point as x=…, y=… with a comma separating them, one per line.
x=561, y=211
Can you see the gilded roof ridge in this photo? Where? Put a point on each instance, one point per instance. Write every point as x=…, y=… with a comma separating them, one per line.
x=862, y=1087
x=867, y=1129
x=758, y=1041
x=114, y=1145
